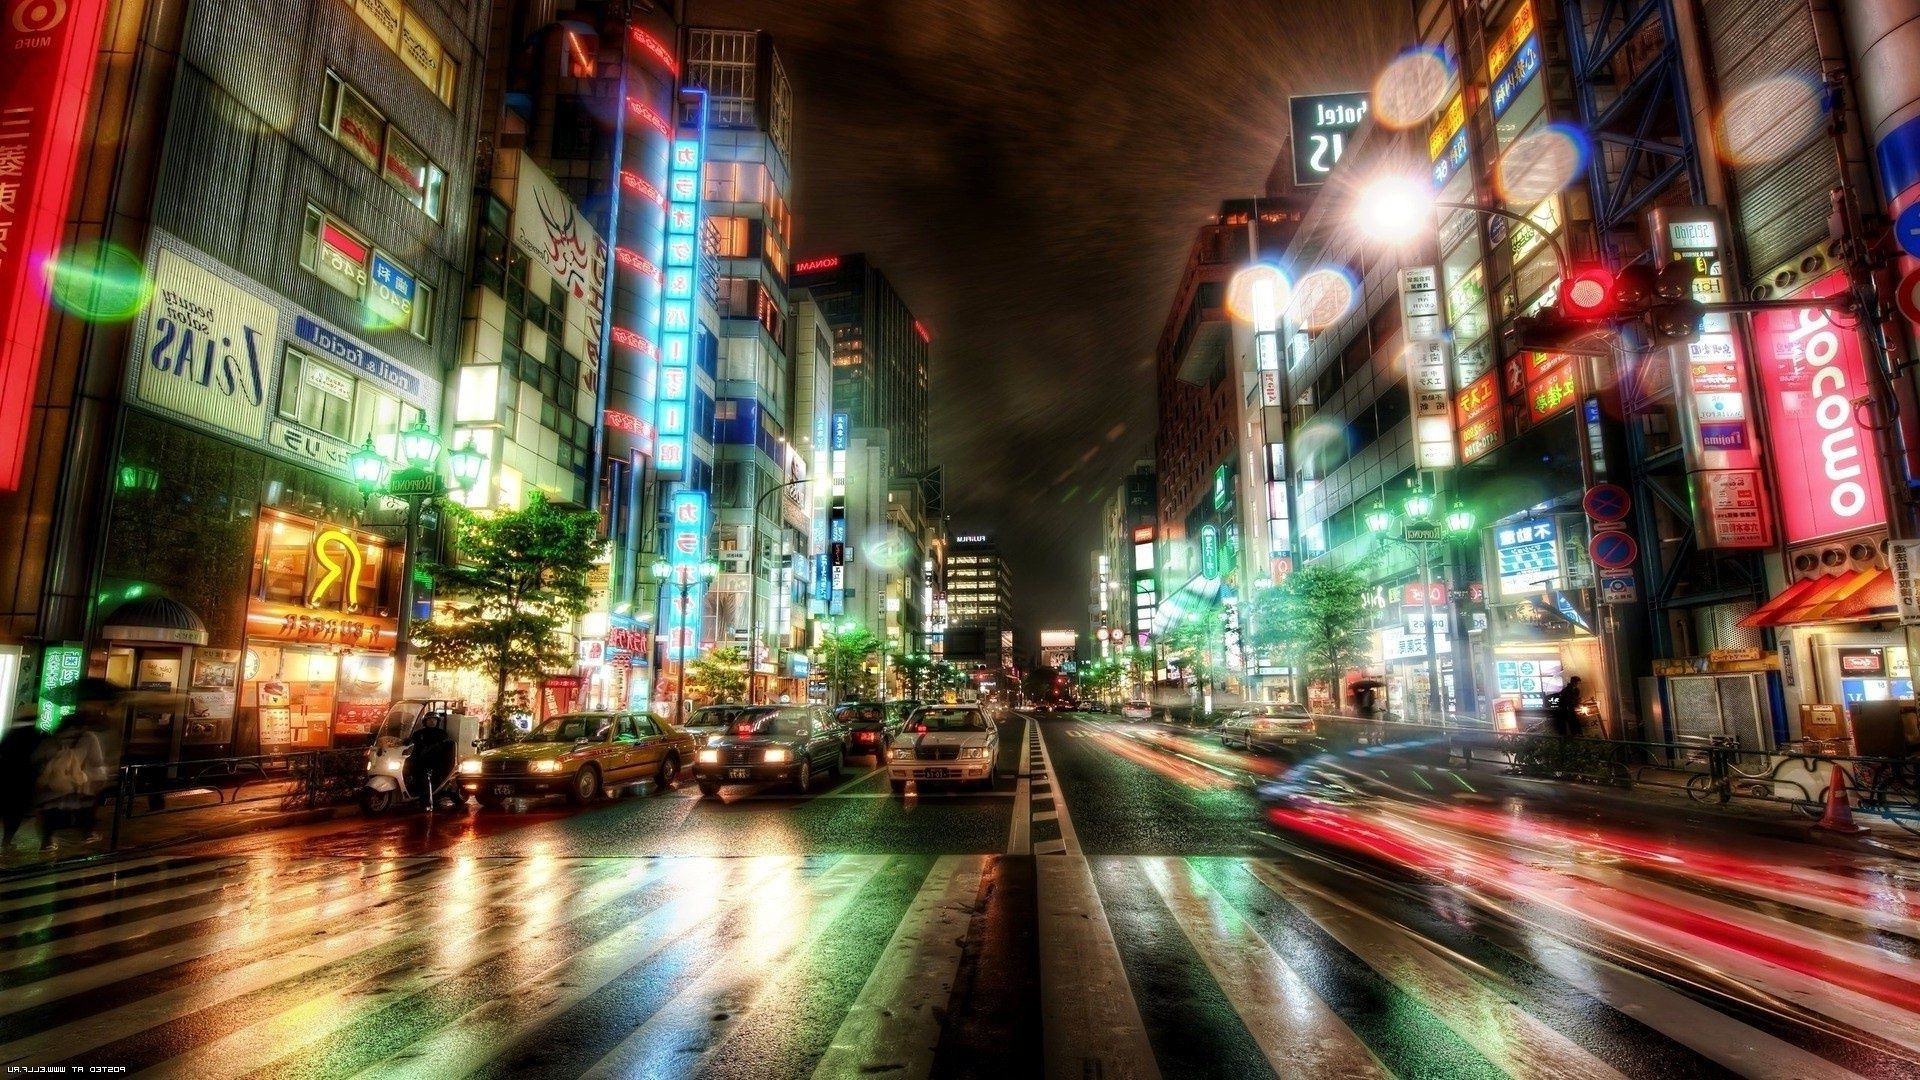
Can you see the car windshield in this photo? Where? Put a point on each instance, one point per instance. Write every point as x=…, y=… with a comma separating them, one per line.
x=763, y=723
x=1136, y=704
x=566, y=729
x=859, y=714
x=950, y=720
x=713, y=716
x=1279, y=714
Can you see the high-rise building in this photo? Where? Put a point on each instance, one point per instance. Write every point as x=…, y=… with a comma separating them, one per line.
x=880, y=353
x=178, y=474
x=1125, y=587
x=979, y=630
x=747, y=191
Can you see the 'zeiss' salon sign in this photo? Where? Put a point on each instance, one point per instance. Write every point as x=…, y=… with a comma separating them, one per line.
x=208, y=347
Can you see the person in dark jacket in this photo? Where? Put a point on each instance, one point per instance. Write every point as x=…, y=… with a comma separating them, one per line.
x=18, y=770
x=1566, y=710
x=432, y=753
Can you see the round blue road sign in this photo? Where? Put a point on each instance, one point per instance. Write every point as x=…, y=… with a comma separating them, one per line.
x=1607, y=502
x=1612, y=550
x=1906, y=229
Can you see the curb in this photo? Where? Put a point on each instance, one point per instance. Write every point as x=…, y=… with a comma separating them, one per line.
x=285, y=820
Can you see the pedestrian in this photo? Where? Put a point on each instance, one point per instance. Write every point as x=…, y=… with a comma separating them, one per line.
x=1566, y=709
x=18, y=769
x=71, y=772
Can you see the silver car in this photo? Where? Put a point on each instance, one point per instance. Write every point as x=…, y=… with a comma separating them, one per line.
x=1268, y=727
x=944, y=743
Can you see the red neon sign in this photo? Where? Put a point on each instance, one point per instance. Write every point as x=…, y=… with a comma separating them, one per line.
x=50, y=50
x=635, y=262
x=655, y=48
x=623, y=336
x=639, y=186
x=1143, y=534
x=647, y=116
x=812, y=265
x=1824, y=460
x=920, y=328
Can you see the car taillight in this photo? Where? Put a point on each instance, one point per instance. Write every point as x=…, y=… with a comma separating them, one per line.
x=863, y=736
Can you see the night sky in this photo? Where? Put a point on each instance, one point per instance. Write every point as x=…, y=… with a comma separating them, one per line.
x=1030, y=174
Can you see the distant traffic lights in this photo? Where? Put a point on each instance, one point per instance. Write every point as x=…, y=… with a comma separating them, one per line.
x=1593, y=298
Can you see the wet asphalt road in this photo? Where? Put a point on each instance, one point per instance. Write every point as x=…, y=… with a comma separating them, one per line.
x=1133, y=900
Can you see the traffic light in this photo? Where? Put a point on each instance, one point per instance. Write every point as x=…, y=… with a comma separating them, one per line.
x=1674, y=317
x=1594, y=301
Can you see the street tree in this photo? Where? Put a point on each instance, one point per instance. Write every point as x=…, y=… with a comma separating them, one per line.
x=1315, y=621
x=1102, y=679
x=517, y=582
x=916, y=673
x=1196, y=638
x=719, y=675
x=841, y=659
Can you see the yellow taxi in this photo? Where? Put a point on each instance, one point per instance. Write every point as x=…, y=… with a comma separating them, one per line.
x=579, y=755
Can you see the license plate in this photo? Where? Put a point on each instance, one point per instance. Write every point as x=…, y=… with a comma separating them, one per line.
x=739, y=774
x=936, y=774
x=503, y=789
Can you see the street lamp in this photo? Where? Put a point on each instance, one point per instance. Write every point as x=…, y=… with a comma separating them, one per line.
x=1398, y=208
x=416, y=485
x=684, y=576
x=1418, y=531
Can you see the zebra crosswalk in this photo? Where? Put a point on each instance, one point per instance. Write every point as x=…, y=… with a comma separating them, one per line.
x=901, y=965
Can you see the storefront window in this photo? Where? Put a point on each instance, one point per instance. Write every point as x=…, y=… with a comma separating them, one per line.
x=283, y=551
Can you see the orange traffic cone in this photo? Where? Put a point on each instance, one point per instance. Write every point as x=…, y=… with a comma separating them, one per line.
x=1839, y=815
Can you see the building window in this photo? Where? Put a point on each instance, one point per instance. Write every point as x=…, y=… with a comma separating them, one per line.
x=321, y=397
x=355, y=124
x=408, y=37
x=393, y=296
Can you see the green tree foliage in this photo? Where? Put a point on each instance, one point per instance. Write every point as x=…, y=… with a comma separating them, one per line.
x=1103, y=678
x=916, y=673
x=1316, y=621
x=517, y=582
x=841, y=658
x=720, y=675
x=1197, y=638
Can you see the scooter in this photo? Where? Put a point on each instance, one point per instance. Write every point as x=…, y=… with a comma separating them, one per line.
x=386, y=784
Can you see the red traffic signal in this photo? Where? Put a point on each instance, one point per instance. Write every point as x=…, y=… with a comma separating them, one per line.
x=1586, y=294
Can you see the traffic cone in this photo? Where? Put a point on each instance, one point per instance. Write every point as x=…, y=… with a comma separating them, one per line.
x=1839, y=816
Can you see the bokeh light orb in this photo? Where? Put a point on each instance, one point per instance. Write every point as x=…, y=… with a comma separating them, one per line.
x=98, y=280
x=1765, y=121
x=1323, y=295
x=1541, y=163
x=1258, y=294
x=1411, y=89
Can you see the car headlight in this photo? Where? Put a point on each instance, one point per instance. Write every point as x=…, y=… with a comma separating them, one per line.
x=470, y=767
x=775, y=755
x=710, y=757
x=902, y=753
x=546, y=766
x=973, y=751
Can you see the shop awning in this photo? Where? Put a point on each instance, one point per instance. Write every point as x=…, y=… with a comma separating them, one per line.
x=1854, y=594
x=1768, y=614
x=155, y=620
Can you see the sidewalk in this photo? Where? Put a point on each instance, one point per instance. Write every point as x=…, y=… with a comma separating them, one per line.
x=189, y=815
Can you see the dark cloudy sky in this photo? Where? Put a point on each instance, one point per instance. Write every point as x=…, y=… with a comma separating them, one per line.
x=1030, y=173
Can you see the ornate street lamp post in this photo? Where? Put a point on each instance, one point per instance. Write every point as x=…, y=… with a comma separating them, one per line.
x=1418, y=530
x=416, y=484
x=683, y=578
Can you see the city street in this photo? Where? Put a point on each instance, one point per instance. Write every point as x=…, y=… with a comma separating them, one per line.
x=1127, y=902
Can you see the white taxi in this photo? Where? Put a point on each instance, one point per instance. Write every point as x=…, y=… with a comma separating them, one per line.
x=951, y=743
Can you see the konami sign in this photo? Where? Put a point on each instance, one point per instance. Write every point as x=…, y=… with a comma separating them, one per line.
x=1812, y=370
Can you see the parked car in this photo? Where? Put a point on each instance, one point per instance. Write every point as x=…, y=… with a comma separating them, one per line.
x=780, y=743
x=710, y=720
x=1137, y=709
x=945, y=742
x=867, y=728
x=1267, y=727
x=579, y=755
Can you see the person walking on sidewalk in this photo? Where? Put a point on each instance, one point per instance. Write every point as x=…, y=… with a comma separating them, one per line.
x=1566, y=709
x=72, y=768
x=18, y=770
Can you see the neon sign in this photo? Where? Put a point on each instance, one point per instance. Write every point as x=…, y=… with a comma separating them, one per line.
x=639, y=186
x=654, y=47
x=332, y=538
x=686, y=546
x=648, y=117
x=675, y=397
x=812, y=265
x=51, y=50
x=921, y=329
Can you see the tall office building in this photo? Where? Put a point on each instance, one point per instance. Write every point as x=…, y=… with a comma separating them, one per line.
x=758, y=535
x=880, y=353
x=979, y=631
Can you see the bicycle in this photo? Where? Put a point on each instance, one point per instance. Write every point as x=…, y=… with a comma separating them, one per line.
x=1892, y=790
x=1724, y=775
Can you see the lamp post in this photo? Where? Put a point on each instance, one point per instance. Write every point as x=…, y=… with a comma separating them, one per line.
x=1394, y=208
x=684, y=577
x=1419, y=531
x=415, y=484
x=753, y=592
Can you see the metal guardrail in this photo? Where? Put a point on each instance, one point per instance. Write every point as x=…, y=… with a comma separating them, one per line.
x=301, y=780
x=1716, y=772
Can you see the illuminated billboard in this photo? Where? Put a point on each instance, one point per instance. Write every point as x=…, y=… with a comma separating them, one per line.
x=675, y=394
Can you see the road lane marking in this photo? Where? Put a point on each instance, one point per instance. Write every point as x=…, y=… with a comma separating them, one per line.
x=688, y=1029
x=1020, y=832
x=893, y=1027
x=1090, y=1024
x=1293, y=1027
x=64, y=893
x=1481, y=1011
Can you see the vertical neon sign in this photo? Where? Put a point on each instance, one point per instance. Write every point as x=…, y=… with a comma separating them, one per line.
x=685, y=590
x=675, y=397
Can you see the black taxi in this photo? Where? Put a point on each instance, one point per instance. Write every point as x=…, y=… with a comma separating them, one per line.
x=771, y=744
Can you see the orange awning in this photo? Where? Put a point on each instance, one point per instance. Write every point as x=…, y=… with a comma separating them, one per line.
x=1876, y=596
x=1768, y=614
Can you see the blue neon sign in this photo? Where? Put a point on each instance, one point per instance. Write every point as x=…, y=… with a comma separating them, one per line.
x=678, y=285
